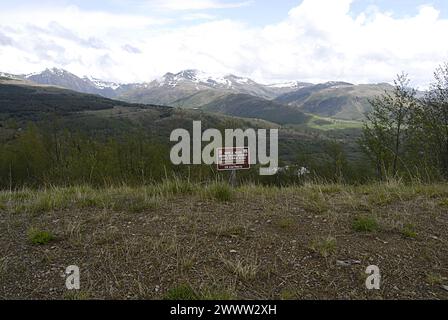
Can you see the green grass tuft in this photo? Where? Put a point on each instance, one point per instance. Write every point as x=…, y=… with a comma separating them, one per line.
x=220, y=191
x=365, y=224
x=285, y=223
x=435, y=278
x=182, y=292
x=408, y=231
x=245, y=269
x=325, y=247
x=39, y=237
x=77, y=295
x=444, y=203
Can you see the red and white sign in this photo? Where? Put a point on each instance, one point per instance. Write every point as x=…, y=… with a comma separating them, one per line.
x=233, y=159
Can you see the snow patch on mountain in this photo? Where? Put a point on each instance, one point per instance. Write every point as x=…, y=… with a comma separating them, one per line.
x=193, y=76
x=48, y=72
x=101, y=84
x=9, y=75
x=288, y=85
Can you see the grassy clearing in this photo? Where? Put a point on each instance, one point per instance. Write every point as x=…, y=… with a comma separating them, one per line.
x=124, y=198
x=326, y=124
x=317, y=198
x=179, y=240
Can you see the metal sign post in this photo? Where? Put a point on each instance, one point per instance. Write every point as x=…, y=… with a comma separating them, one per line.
x=232, y=180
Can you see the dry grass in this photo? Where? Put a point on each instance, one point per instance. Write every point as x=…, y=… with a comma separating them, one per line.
x=324, y=246
x=245, y=269
x=179, y=240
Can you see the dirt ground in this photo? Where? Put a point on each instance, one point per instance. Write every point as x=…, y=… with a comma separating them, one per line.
x=257, y=246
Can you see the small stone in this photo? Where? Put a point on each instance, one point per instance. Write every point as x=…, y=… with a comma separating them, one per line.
x=385, y=242
x=347, y=263
x=342, y=263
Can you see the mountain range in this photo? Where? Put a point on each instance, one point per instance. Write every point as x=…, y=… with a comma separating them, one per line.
x=227, y=94
x=24, y=103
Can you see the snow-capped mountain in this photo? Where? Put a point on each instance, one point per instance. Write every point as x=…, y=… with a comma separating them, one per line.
x=194, y=77
x=9, y=76
x=199, y=89
x=197, y=80
x=101, y=84
x=286, y=87
x=290, y=85
x=64, y=79
x=172, y=89
x=202, y=78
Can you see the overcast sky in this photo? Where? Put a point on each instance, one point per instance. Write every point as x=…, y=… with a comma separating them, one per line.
x=270, y=41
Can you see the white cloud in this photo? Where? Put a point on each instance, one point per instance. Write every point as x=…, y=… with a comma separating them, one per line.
x=198, y=16
x=319, y=40
x=198, y=4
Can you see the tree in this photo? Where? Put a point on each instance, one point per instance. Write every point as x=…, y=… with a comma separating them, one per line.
x=384, y=132
x=338, y=159
x=433, y=118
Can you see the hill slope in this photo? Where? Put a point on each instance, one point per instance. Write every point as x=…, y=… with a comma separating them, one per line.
x=105, y=118
x=247, y=106
x=335, y=99
x=24, y=97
